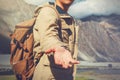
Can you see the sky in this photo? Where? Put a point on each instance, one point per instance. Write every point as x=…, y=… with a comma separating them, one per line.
x=84, y=8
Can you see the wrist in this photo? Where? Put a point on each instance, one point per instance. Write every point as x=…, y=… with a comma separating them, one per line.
x=57, y=49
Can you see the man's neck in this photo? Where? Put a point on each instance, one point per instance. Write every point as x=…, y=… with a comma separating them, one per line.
x=62, y=6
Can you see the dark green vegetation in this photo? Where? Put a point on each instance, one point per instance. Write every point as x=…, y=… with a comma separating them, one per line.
x=7, y=77
x=12, y=77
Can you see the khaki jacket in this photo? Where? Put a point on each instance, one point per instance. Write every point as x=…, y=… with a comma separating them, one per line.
x=52, y=29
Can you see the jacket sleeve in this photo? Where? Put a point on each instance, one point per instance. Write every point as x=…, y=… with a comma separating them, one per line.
x=46, y=28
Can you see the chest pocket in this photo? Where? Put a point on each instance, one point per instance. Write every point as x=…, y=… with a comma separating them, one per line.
x=66, y=29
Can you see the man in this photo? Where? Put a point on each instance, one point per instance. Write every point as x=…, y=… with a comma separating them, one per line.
x=56, y=36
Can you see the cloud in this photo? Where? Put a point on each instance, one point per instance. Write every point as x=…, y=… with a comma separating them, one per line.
x=95, y=7
x=37, y=2
x=84, y=8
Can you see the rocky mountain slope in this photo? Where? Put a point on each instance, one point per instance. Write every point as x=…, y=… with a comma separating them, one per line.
x=99, y=38
x=11, y=13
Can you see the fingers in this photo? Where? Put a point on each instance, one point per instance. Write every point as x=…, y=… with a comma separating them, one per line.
x=67, y=64
x=74, y=61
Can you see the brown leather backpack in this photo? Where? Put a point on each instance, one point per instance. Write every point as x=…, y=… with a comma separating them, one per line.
x=22, y=57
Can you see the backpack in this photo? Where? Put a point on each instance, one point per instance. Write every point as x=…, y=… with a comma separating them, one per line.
x=21, y=48
x=21, y=55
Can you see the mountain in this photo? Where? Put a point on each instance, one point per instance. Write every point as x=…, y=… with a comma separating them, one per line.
x=99, y=36
x=11, y=13
x=111, y=19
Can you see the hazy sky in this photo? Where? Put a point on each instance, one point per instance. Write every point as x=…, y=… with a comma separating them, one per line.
x=83, y=8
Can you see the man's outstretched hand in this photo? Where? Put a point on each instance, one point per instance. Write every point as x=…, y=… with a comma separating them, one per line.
x=62, y=57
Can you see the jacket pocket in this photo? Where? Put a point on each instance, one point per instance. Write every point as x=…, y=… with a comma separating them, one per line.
x=66, y=31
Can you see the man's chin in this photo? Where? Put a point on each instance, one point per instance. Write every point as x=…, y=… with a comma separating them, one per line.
x=68, y=2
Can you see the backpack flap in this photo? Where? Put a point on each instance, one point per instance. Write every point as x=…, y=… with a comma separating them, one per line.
x=26, y=24
x=22, y=28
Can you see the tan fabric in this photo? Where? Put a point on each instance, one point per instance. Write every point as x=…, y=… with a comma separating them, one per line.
x=49, y=31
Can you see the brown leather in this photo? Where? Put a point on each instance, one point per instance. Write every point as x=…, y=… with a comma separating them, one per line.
x=21, y=59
